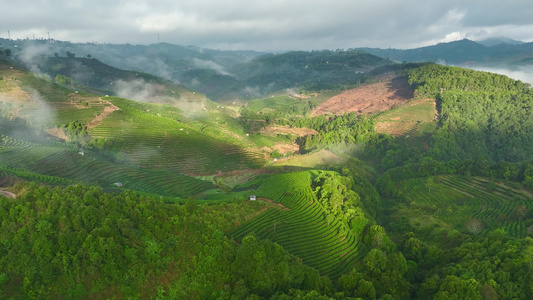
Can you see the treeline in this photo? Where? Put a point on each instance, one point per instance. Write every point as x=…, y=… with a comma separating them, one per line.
x=348, y=129
x=80, y=242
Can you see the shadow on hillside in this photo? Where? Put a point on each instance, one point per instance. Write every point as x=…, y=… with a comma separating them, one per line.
x=400, y=88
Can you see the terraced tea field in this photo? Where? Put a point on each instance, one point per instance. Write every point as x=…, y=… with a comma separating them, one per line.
x=472, y=206
x=301, y=227
x=59, y=163
x=151, y=141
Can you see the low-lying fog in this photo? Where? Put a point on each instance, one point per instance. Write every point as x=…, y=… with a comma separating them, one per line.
x=524, y=74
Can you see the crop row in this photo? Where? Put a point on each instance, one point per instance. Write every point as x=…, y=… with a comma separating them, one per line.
x=460, y=199
x=302, y=228
x=175, y=148
x=66, y=162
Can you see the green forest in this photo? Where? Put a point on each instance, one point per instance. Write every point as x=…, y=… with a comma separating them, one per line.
x=111, y=198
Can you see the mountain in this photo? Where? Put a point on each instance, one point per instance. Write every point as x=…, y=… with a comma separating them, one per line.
x=221, y=75
x=462, y=53
x=498, y=41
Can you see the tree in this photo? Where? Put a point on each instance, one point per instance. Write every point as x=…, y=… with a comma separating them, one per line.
x=458, y=288
x=375, y=261
x=474, y=226
x=520, y=212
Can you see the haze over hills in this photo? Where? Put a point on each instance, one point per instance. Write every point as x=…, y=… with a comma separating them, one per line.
x=465, y=53
x=317, y=175
x=226, y=75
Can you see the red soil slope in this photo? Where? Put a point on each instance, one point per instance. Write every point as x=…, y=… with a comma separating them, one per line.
x=388, y=93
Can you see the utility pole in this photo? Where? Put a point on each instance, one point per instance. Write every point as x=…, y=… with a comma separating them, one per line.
x=9, y=35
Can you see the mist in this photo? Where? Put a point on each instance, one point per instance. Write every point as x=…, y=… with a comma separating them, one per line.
x=30, y=119
x=191, y=109
x=139, y=90
x=32, y=55
x=209, y=64
x=142, y=91
x=44, y=116
x=522, y=73
x=153, y=65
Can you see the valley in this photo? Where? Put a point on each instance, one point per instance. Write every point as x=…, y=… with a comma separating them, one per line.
x=373, y=179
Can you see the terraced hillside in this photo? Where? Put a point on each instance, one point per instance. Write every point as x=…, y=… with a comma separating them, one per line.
x=301, y=225
x=155, y=141
x=141, y=146
x=470, y=206
x=54, y=162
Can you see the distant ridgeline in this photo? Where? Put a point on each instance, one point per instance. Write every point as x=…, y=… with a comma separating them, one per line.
x=481, y=114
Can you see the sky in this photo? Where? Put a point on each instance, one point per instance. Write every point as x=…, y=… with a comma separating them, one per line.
x=268, y=25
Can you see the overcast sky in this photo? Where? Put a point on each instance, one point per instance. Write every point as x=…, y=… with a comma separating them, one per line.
x=268, y=25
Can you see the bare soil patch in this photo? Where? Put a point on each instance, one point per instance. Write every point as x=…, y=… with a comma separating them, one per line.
x=8, y=194
x=394, y=128
x=311, y=160
x=391, y=91
x=14, y=94
x=288, y=130
x=283, y=207
x=107, y=110
x=282, y=148
x=58, y=133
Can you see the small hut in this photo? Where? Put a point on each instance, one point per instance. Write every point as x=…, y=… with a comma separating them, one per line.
x=252, y=198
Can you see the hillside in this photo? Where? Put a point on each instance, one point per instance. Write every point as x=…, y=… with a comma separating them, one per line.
x=221, y=75
x=131, y=141
x=89, y=72
x=390, y=91
x=405, y=181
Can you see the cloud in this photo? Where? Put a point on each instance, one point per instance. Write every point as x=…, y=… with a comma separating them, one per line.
x=139, y=90
x=270, y=25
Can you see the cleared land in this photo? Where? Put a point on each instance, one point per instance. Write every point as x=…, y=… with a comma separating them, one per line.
x=311, y=160
x=391, y=91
